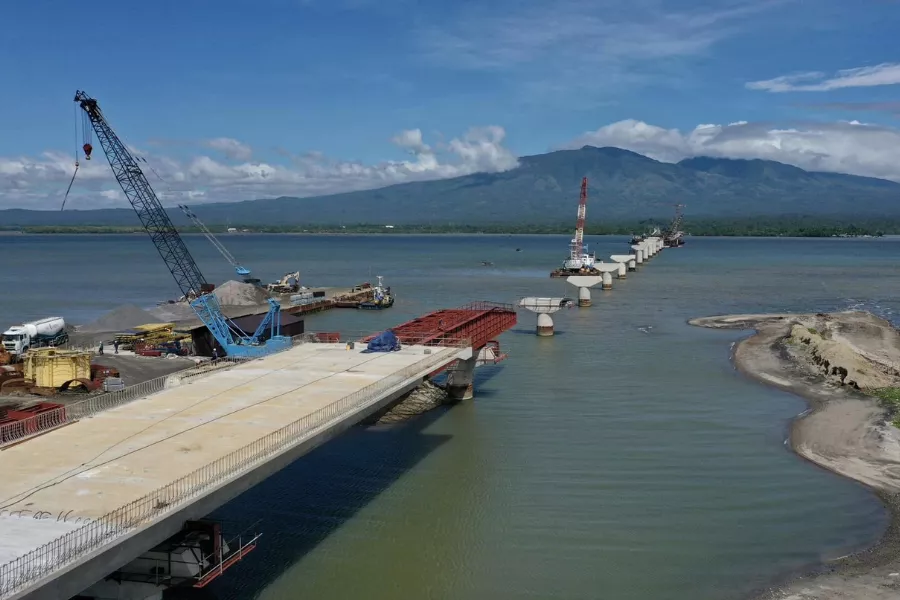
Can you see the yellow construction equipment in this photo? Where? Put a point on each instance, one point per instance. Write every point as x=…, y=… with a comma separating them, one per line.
x=50, y=367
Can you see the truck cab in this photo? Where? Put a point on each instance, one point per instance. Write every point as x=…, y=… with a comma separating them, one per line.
x=16, y=340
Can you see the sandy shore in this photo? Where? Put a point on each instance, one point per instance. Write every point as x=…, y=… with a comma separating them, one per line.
x=831, y=360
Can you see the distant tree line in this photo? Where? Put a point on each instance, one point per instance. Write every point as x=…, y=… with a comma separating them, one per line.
x=789, y=226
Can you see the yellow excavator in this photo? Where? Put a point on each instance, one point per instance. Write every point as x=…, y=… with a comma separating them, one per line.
x=288, y=284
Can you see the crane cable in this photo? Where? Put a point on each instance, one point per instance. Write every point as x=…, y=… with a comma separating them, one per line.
x=69, y=189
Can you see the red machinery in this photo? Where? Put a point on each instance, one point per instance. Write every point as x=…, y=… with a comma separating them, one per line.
x=474, y=324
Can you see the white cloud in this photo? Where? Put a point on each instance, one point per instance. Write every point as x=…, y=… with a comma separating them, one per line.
x=231, y=148
x=816, y=81
x=411, y=139
x=40, y=182
x=565, y=51
x=843, y=147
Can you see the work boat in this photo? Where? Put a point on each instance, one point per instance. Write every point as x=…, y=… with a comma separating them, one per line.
x=382, y=297
x=576, y=263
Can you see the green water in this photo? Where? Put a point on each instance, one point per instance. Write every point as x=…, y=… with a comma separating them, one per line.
x=623, y=458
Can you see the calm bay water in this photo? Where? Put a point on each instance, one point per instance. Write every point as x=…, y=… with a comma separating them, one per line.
x=623, y=458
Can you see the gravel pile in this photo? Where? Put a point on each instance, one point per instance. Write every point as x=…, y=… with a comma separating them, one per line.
x=120, y=319
x=235, y=293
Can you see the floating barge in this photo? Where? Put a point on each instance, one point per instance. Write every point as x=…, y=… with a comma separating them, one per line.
x=563, y=272
x=369, y=298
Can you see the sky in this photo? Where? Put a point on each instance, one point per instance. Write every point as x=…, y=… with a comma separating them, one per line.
x=232, y=100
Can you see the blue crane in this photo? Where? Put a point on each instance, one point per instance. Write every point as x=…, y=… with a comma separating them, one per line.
x=173, y=251
x=240, y=270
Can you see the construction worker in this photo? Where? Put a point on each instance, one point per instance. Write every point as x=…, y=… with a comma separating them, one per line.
x=100, y=349
x=115, y=346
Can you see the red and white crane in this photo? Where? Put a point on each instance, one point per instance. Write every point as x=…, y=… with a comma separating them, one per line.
x=579, y=258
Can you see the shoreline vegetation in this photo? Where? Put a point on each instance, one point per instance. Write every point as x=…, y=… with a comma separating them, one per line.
x=846, y=367
x=745, y=227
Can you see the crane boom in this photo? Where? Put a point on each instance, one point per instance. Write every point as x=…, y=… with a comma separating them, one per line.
x=215, y=241
x=147, y=206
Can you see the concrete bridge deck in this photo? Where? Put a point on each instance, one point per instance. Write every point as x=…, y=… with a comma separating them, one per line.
x=79, y=499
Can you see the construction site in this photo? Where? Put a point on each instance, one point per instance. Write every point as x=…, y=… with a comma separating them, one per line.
x=214, y=391
x=48, y=363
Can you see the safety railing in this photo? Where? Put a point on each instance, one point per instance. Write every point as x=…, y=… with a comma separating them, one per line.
x=482, y=305
x=24, y=571
x=359, y=337
x=23, y=428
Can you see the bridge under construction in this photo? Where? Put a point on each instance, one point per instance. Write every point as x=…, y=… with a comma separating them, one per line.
x=84, y=496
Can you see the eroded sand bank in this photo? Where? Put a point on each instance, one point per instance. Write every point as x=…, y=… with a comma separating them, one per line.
x=831, y=360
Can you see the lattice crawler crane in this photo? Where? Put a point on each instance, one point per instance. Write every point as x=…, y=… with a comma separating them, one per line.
x=171, y=247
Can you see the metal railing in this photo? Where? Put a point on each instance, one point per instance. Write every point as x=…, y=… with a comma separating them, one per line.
x=23, y=428
x=359, y=337
x=487, y=305
x=29, y=568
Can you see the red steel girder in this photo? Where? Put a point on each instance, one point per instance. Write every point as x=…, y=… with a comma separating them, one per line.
x=474, y=325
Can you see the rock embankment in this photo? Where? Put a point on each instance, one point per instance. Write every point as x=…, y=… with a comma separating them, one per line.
x=427, y=396
x=835, y=360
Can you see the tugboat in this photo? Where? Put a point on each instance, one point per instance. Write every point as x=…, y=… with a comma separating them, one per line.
x=382, y=297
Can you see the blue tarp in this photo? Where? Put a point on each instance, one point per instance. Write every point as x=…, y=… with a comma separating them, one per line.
x=384, y=342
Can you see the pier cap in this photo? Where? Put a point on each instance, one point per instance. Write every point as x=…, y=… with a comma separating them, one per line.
x=585, y=281
x=546, y=305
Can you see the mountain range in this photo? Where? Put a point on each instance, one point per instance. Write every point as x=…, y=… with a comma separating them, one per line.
x=544, y=188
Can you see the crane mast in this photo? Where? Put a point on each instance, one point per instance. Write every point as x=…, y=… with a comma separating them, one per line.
x=673, y=236
x=172, y=249
x=578, y=240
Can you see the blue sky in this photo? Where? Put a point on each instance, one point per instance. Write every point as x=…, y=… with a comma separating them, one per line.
x=307, y=95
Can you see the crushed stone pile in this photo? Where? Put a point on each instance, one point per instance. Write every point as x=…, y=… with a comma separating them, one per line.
x=120, y=319
x=236, y=293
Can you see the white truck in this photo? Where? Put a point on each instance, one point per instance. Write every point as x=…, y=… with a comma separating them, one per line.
x=35, y=334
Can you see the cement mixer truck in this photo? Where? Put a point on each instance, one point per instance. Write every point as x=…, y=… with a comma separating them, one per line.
x=35, y=334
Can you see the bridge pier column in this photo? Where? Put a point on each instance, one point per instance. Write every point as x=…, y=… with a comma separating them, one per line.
x=461, y=378
x=622, y=272
x=584, y=296
x=544, y=325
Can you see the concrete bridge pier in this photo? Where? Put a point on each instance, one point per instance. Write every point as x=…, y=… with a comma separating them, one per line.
x=622, y=273
x=607, y=281
x=460, y=379
x=584, y=296
x=638, y=254
x=584, y=283
x=545, y=323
